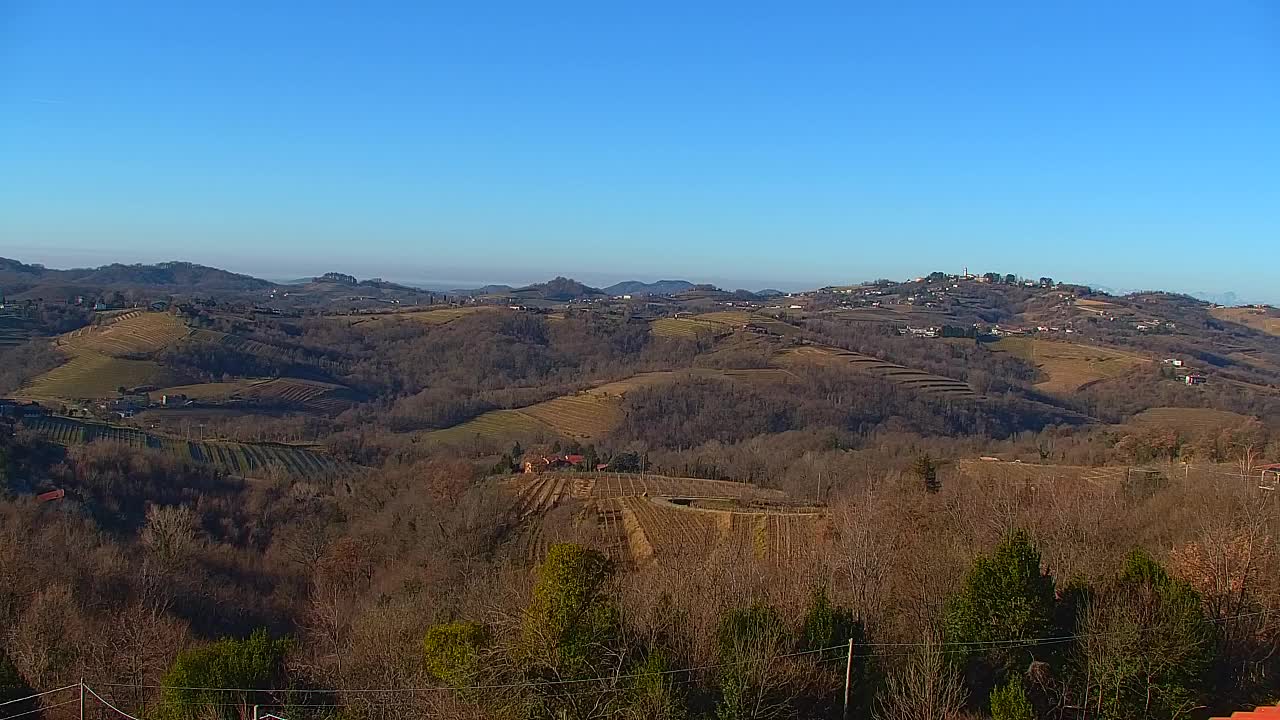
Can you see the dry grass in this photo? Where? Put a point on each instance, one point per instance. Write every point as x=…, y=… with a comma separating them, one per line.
x=1263, y=320
x=727, y=317
x=91, y=376
x=1070, y=366
x=1189, y=419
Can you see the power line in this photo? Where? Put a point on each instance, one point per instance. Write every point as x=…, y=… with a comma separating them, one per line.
x=104, y=702
x=41, y=694
x=41, y=709
x=931, y=648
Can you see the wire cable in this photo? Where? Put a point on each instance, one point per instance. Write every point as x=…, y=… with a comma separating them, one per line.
x=40, y=709
x=40, y=694
x=955, y=647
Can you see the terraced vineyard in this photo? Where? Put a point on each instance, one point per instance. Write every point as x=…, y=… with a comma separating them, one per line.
x=246, y=459
x=948, y=388
x=1032, y=473
x=127, y=335
x=311, y=394
x=1189, y=419
x=637, y=522
x=296, y=356
x=684, y=327
x=92, y=376
x=15, y=329
x=616, y=485
x=1070, y=366
x=584, y=415
x=437, y=316
x=498, y=425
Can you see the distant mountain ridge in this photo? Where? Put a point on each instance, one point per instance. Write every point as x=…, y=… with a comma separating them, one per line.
x=174, y=274
x=658, y=287
x=561, y=289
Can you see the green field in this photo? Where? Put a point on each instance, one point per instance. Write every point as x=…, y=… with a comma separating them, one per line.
x=245, y=459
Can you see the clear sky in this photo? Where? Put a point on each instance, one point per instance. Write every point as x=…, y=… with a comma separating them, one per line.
x=1130, y=144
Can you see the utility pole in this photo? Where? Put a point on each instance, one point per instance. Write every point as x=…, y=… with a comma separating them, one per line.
x=81, y=698
x=848, y=677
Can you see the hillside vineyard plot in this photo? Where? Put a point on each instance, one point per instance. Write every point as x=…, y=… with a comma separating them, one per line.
x=131, y=334
x=92, y=376
x=247, y=459
x=938, y=385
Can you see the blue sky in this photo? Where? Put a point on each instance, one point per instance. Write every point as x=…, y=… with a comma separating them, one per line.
x=1132, y=144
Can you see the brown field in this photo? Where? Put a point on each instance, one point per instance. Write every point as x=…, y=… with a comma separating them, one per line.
x=1096, y=306
x=944, y=387
x=1070, y=366
x=130, y=334
x=1189, y=419
x=727, y=317
x=1263, y=320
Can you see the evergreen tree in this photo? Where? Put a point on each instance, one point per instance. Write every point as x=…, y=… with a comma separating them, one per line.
x=452, y=651
x=927, y=472
x=256, y=662
x=1005, y=599
x=1010, y=702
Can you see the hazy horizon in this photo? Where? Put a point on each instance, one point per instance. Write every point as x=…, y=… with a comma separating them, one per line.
x=1128, y=145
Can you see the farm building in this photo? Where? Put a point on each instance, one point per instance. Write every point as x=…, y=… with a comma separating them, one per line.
x=547, y=463
x=1194, y=379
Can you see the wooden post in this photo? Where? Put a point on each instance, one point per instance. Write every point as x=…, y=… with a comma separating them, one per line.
x=848, y=677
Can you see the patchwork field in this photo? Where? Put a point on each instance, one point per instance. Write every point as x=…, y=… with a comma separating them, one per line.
x=92, y=376
x=127, y=335
x=1263, y=320
x=906, y=377
x=245, y=459
x=1188, y=419
x=1070, y=366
